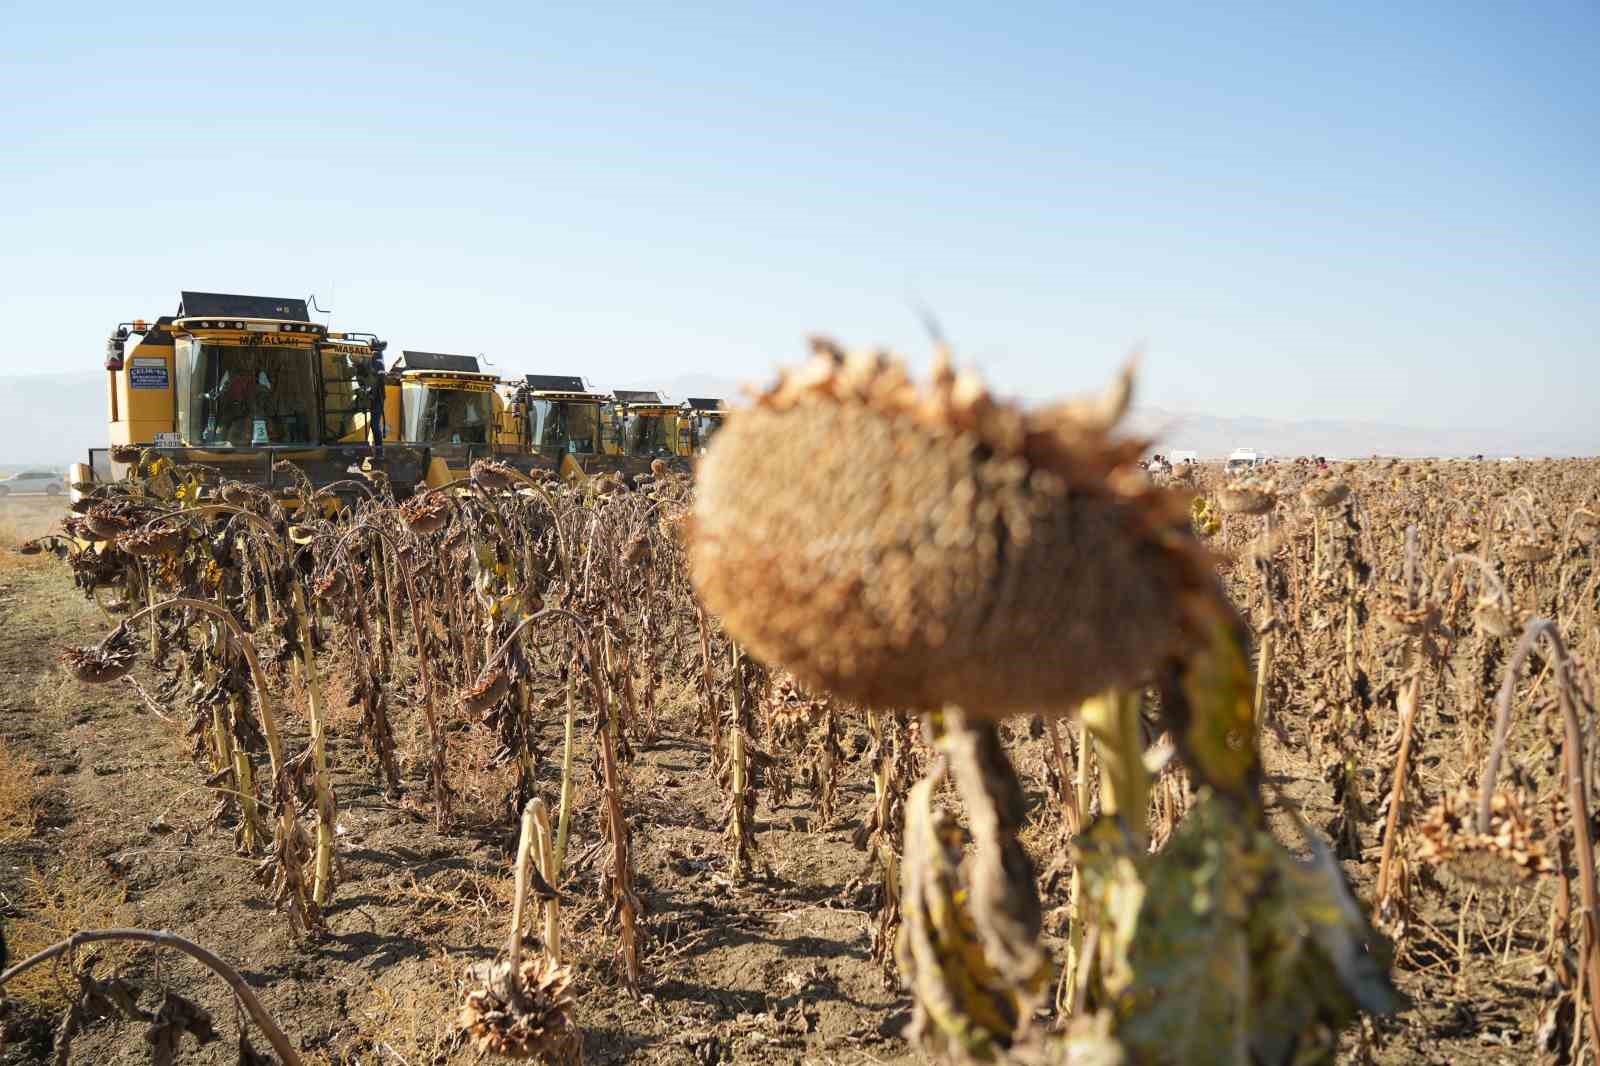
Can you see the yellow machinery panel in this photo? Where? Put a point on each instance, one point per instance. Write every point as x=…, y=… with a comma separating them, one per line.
x=391, y=411
x=141, y=393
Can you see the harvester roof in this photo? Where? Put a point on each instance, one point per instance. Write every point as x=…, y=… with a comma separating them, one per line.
x=453, y=364
x=228, y=305
x=706, y=403
x=554, y=383
x=638, y=398
x=567, y=388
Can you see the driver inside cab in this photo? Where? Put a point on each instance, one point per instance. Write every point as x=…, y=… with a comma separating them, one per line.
x=244, y=406
x=464, y=422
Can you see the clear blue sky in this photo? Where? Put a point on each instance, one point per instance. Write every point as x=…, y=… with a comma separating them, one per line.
x=1365, y=210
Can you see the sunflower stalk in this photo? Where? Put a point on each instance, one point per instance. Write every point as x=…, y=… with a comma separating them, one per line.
x=1112, y=721
x=551, y=874
x=570, y=729
x=1409, y=698
x=741, y=796
x=1004, y=898
x=510, y=989
x=321, y=780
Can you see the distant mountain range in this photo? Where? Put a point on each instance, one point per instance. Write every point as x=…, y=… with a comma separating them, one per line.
x=1215, y=437
x=52, y=419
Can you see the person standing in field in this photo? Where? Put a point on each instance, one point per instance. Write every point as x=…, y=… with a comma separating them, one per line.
x=375, y=392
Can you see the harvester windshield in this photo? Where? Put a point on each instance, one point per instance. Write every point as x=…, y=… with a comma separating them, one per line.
x=643, y=424
x=702, y=418
x=647, y=434
x=244, y=395
x=437, y=414
x=566, y=426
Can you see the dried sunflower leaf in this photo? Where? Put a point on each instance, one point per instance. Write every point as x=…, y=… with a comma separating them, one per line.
x=962, y=1003
x=175, y=1017
x=1237, y=951
x=1209, y=701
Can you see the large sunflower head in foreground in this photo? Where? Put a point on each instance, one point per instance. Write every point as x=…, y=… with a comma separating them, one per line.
x=906, y=545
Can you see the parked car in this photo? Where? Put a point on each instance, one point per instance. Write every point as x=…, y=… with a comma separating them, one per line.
x=33, y=481
x=1244, y=459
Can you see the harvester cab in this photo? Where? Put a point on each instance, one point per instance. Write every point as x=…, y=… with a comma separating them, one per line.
x=232, y=385
x=558, y=424
x=447, y=404
x=639, y=428
x=702, y=417
x=643, y=424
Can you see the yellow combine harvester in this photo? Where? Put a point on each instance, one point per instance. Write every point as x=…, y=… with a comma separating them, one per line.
x=552, y=422
x=639, y=427
x=702, y=417
x=556, y=422
x=232, y=385
x=448, y=405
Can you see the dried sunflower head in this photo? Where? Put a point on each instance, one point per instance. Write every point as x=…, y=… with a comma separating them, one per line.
x=1325, y=492
x=1585, y=527
x=905, y=546
x=1492, y=619
x=30, y=547
x=1248, y=497
x=1508, y=855
x=532, y=1021
x=1529, y=550
x=637, y=551
x=1405, y=621
x=329, y=585
x=493, y=474
x=790, y=708
x=485, y=691
x=109, y=521
x=658, y=468
x=163, y=539
x=110, y=659
x=236, y=493
x=426, y=513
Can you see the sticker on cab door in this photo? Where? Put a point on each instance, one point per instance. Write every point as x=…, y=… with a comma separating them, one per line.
x=147, y=372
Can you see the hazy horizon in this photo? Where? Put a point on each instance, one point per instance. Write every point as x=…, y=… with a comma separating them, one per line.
x=58, y=400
